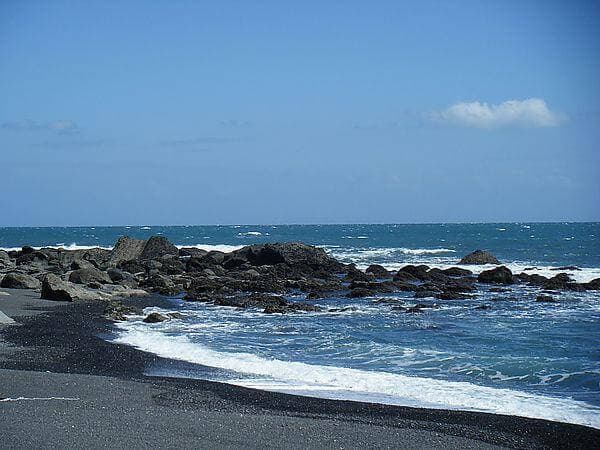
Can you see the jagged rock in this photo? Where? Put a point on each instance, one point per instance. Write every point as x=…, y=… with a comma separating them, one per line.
x=498, y=275
x=155, y=318
x=157, y=247
x=36, y=259
x=15, y=280
x=119, y=276
x=126, y=249
x=479, y=257
x=87, y=276
x=378, y=271
x=405, y=277
x=53, y=288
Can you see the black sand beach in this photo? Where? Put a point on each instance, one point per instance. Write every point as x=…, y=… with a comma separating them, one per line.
x=63, y=385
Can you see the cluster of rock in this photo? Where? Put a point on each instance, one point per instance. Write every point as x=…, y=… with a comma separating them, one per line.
x=256, y=276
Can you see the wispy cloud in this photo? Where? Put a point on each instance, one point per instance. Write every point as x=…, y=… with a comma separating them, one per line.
x=233, y=123
x=531, y=112
x=202, y=141
x=57, y=126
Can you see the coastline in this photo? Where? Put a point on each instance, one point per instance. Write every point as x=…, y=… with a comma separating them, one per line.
x=52, y=353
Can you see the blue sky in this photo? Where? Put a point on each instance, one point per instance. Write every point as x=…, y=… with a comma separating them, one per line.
x=173, y=112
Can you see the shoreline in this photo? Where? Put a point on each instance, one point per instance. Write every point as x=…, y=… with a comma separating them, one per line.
x=70, y=346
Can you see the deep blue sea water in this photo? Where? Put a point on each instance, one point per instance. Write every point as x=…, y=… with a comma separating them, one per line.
x=518, y=357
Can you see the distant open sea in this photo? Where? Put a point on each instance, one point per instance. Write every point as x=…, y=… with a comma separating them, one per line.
x=518, y=357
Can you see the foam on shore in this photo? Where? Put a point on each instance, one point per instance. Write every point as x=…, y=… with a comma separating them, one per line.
x=355, y=384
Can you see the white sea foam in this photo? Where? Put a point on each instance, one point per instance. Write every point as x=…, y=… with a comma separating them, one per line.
x=346, y=383
x=251, y=233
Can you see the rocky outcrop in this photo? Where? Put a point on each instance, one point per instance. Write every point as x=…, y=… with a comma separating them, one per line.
x=126, y=249
x=157, y=247
x=498, y=275
x=89, y=275
x=53, y=288
x=479, y=257
x=16, y=280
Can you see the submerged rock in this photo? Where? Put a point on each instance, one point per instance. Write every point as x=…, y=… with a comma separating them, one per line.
x=155, y=318
x=479, y=257
x=545, y=299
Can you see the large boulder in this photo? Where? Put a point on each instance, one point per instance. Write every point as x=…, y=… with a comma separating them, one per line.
x=90, y=275
x=301, y=257
x=54, y=288
x=157, y=247
x=15, y=280
x=479, y=257
x=126, y=249
x=498, y=275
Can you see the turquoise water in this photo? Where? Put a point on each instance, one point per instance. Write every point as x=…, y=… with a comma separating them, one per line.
x=519, y=356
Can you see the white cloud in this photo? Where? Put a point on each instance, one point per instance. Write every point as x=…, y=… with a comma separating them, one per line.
x=531, y=112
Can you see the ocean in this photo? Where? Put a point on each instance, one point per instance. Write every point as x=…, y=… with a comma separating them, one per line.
x=518, y=356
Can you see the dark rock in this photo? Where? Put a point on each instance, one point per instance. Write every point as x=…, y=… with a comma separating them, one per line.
x=498, y=275
x=35, y=258
x=26, y=249
x=448, y=295
x=77, y=264
x=457, y=272
x=566, y=268
x=499, y=289
x=414, y=310
x=360, y=292
x=479, y=257
x=87, y=276
x=425, y=294
x=172, y=265
x=126, y=249
x=482, y=307
x=161, y=284
x=593, y=285
x=119, y=276
x=5, y=260
x=157, y=247
x=155, y=318
x=354, y=274
x=192, y=251
x=418, y=272
x=117, y=312
x=234, y=262
x=405, y=277
x=53, y=288
x=562, y=282
x=545, y=299
x=378, y=271
x=15, y=280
